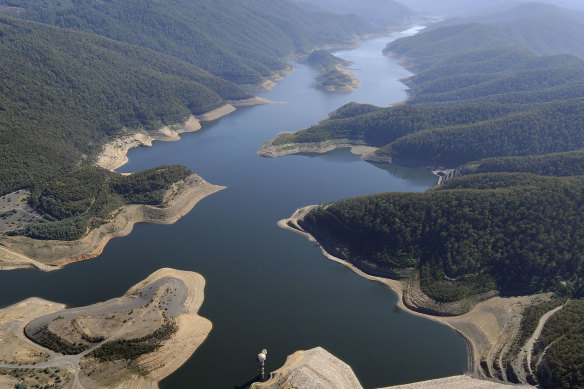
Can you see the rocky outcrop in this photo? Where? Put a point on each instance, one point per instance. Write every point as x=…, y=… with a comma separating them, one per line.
x=314, y=369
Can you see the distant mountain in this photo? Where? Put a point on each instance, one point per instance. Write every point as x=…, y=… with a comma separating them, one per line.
x=454, y=8
x=543, y=28
x=383, y=13
x=243, y=42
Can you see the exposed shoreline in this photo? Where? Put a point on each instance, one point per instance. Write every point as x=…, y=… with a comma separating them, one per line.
x=269, y=150
x=355, y=82
x=47, y=255
x=176, y=295
x=114, y=154
x=344, y=88
x=486, y=328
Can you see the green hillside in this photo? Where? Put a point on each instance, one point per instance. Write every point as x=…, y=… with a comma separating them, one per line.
x=549, y=128
x=562, y=337
x=243, y=42
x=87, y=197
x=64, y=93
x=378, y=127
x=556, y=164
x=324, y=61
x=513, y=233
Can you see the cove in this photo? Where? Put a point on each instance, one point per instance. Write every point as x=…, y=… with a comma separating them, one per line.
x=267, y=287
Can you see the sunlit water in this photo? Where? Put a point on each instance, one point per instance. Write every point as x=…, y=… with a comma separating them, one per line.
x=267, y=287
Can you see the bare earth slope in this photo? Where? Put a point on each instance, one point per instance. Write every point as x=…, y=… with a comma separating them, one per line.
x=317, y=368
x=133, y=341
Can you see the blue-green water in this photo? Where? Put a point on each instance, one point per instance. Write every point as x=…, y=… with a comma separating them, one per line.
x=267, y=287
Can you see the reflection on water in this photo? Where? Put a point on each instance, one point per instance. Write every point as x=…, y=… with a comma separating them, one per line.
x=337, y=155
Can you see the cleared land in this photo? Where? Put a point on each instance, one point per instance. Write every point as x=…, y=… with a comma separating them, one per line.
x=133, y=341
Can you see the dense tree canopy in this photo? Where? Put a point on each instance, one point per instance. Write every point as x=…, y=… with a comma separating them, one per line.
x=239, y=41
x=515, y=233
x=64, y=93
x=87, y=197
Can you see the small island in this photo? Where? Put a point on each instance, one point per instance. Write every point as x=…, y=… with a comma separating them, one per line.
x=333, y=76
x=133, y=341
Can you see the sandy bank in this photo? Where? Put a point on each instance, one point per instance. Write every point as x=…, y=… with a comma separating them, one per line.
x=166, y=296
x=113, y=154
x=21, y=252
x=14, y=347
x=269, y=150
x=271, y=81
x=488, y=328
x=217, y=113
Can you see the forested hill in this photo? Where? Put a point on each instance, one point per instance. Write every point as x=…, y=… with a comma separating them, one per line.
x=240, y=41
x=516, y=233
x=64, y=93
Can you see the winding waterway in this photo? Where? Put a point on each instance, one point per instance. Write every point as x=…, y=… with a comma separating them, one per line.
x=267, y=287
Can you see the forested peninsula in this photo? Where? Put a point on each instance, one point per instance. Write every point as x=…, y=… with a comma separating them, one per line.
x=509, y=121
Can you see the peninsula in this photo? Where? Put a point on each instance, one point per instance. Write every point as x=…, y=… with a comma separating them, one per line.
x=133, y=341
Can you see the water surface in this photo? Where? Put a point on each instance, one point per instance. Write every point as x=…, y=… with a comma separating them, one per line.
x=267, y=287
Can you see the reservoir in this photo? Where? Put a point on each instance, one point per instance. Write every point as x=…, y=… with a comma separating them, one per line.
x=268, y=287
